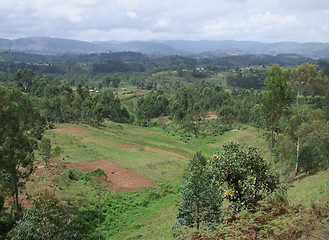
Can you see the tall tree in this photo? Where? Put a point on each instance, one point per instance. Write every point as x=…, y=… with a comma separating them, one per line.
x=306, y=80
x=201, y=198
x=45, y=149
x=21, y=126
x=24, y=79
x=277, y=97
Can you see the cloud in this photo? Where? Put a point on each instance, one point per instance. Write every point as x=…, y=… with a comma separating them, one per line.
x=132, y=15
x=271, y=19
x=279, y=20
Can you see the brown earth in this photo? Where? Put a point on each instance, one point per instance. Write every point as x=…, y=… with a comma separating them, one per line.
x=164, y=152
x=211, y=116
x=127, y=146
x=122, y=179
x=77, y=130
x=152, y=132
x=135, y=146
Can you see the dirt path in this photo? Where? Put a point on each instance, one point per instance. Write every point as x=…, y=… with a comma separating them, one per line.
x=164, y=152
x=150, y=149
x=122, y=179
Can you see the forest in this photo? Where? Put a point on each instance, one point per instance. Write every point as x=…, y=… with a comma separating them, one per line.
x=228, y=143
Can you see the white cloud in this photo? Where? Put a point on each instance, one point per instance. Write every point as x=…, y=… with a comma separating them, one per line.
x=162, y=22
x=132, y=15
x=279, y=20
x=271, y=19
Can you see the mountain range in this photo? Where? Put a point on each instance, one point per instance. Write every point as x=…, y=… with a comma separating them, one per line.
x=47, y=45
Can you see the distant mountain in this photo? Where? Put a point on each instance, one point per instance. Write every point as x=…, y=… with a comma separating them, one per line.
x=230, y=47
x=145, y=47
x=46, y=45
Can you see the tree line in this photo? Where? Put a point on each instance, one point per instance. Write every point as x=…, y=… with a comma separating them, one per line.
x=294, y=107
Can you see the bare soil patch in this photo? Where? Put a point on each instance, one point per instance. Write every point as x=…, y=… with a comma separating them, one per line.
x=136, y=93
x=211, y=116
x=77, y=130
x=164, y=152
x=127, y=146
x=122, y=179
x=244, y=137
x=152, y=132
x=135, y=146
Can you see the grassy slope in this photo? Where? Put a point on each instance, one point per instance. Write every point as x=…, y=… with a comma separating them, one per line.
x=308, y=190
x=123, y=144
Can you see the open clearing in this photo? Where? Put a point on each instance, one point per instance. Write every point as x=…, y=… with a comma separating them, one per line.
x=77, y=130
x=121, y=179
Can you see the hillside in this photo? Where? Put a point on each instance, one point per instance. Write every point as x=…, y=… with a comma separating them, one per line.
x=129, y=154
x=123, y=145
x=46, y=45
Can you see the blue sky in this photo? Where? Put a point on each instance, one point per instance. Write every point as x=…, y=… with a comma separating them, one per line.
x=102, y=20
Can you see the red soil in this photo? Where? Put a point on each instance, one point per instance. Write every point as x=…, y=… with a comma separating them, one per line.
x=77, y=130
x=122, y=179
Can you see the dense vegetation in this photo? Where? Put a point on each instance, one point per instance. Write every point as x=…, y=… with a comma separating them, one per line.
x=190, y=103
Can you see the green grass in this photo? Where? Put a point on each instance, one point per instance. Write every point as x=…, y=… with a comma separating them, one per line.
x=144, y=214
x=126, y=148
x=155, y=225
x=307, y=190
x=246, y=135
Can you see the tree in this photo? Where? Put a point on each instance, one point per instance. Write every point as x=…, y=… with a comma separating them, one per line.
x=201, y=198
x=306, y=80
x=49, y=219
x=107, y=81
x=314, y=145
x=45, y=150
x=24, y=79
x=244, y=175
x=21, y=127
x=277, y=97
x=115, y=81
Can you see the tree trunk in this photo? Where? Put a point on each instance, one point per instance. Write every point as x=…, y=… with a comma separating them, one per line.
x=16, y=195
x=297, y=160
x=272, y=137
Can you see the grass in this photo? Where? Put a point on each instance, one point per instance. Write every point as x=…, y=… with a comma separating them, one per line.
x=156, y=225
x=308, y=190
x=125, y=147
x=145, y=214
x=246, y=135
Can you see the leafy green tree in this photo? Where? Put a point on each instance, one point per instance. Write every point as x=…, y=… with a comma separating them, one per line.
x=244, y=175
x=201, y=197
x=21, y=127
x=49, y=218
x=24, y=79
x=306, y=81
x=107, y=81
x=150, y=106
x=45, y=150
x=277, y=97
x=115, y=81
x=314, y=145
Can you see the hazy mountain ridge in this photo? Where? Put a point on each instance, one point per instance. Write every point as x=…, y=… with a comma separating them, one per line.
x=46, y=45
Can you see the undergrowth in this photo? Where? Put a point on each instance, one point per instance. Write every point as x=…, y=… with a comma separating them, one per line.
x=274, y=219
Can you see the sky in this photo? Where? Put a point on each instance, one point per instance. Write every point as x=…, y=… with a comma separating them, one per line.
x=125, y=20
